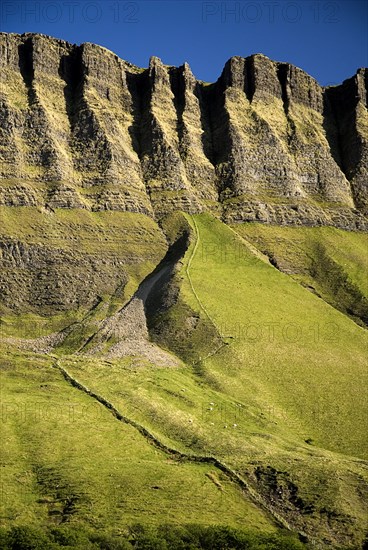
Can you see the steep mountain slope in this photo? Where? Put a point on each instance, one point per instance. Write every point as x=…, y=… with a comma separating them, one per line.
x=329, y=262
x=183, y=278
x=273, y=383
x=81, y=130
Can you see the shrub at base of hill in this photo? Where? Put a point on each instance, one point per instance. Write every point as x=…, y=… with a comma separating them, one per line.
x=141, y=537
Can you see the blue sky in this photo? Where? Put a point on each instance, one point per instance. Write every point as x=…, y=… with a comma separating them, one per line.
x=328, y=39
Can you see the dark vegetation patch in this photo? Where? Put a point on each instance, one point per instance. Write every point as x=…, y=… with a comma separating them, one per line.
x=281, y=489
x=334, y=282
x=62, y=500
x=141, y=537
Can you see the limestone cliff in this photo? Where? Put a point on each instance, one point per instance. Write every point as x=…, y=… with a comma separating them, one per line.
x=80, y=128
x=84, y=131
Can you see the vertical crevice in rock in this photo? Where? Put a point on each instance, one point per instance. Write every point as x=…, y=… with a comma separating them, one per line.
x=283, y=72
x=26, y=68
x=348, y=102
x=344, y=100
x=220, y=118
x=177, y=84
x=139, y=90
x=140, y=130
x=249, y=78
x=205, y=95
x=71, y=71
x=221, y=136
x=282, y=75
x=332, y=130
x=216, y=118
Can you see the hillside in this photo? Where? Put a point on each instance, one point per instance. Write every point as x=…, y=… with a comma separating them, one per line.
x=184, y=302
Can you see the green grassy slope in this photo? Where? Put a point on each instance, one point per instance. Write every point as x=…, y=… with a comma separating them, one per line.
x=331, y=262
x=282, y=400
x=273, y=386
x=296, y=351
x=66, y=458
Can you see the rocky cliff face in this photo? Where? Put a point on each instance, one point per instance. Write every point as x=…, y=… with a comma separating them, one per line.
x=82, y=130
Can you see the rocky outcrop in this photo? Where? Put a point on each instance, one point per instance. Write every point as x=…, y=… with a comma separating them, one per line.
x=53, y=279
x=70, y=259
x=348, y=103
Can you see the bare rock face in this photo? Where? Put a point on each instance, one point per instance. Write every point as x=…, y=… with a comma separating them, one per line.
x=348, y=103
x=87, y=130
x=84, y=131
x=277, y=148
